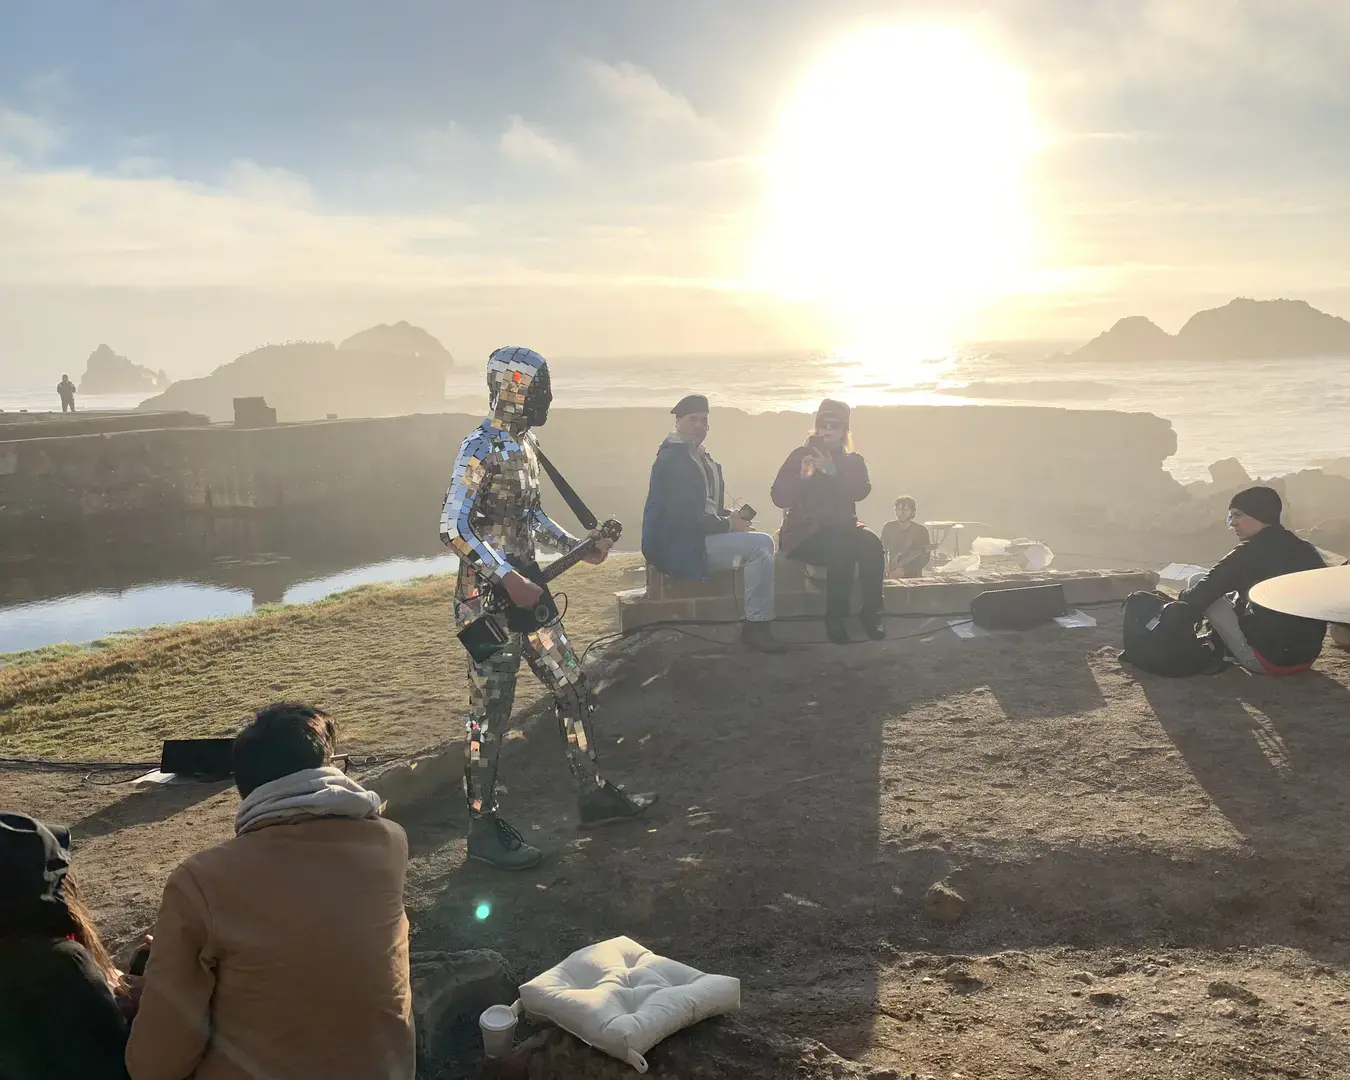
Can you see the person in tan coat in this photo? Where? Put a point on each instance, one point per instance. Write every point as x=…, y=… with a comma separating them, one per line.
x=283, y=953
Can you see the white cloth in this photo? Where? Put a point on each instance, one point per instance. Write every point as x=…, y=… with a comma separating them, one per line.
x=325, y=792
x=1223, y=616
x=624, y=999
x=753, y=553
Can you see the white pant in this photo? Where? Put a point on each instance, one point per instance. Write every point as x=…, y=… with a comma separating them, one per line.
x=753, y=553
x=1223, y=616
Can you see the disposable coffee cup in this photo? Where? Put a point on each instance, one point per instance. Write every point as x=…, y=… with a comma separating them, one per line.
x=498, y=1025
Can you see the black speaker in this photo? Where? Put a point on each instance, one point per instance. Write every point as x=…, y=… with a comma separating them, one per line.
x=205, y=759
x=1018, y=609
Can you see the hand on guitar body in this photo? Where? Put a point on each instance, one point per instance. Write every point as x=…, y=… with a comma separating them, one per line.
x=524, y=593
x=523, y=600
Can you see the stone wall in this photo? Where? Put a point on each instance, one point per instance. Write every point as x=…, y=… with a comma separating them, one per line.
x=46, y=425
x=1028, y=471
x=798, y=594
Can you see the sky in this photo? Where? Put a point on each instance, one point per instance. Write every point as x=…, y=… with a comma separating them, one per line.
x=188, y=179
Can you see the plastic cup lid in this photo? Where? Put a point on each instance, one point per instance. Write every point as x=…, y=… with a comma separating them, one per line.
x=1312, y=594
x=497, y=1018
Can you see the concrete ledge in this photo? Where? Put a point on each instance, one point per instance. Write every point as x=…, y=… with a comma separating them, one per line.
x=935, y=595
x=404, y=783
x=723, y=583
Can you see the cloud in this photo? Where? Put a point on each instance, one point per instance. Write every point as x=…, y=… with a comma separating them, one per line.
x=267, y=184
x=25, y=135
x=639, y=93
x=525, y=144
x=140, y=165
x=261, y=227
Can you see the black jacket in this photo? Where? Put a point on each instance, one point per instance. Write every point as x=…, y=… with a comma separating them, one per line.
x=1281, y=640
x=675, y=519
x=58, y=1019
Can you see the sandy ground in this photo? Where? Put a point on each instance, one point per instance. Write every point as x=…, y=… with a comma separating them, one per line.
x=1151, y=873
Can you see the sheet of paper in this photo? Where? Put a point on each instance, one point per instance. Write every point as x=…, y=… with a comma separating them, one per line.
x=156, y=777
x=1075, y=618
x=1181, y=572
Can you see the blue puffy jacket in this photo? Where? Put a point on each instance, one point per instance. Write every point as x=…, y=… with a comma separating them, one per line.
x=675, y=519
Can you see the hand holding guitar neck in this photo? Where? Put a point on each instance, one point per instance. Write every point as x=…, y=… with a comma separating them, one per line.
x=600, y=549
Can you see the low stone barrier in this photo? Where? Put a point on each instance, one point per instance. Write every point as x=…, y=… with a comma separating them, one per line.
x=799, y=593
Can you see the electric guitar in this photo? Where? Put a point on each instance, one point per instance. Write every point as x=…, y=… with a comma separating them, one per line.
x=484, y=636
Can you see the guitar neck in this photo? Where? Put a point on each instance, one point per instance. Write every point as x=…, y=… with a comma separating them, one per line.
x=564, y=563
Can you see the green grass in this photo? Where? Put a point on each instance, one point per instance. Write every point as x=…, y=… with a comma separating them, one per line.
x=382, y=659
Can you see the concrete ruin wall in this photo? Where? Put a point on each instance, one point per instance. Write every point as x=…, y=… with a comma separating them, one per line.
x=1023, y=468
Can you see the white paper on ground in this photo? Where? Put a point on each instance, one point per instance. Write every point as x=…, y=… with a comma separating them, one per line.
x=1181, y=571
x=964, y=628
x=156, y=777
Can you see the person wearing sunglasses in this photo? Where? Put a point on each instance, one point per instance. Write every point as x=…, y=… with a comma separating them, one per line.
x=1262, y=641
x=819, y=485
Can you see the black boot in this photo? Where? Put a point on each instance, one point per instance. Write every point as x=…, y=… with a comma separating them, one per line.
x=758, y=637
x=605, y=803
x=493, y=841
x=835, y=630
x=873, y=624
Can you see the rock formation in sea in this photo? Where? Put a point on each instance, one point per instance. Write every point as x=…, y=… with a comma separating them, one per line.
x=400, y=338
x=1242, y=329
x=310, y=380
x=105, y=372
x=1132, y=338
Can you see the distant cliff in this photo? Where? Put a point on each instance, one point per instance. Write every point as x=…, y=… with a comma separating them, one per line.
x=401, y=339
x=107, y=373
x=309, y=380
x=1240, y=330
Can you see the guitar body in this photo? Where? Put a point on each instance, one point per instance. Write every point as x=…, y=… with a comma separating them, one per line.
x=484, y=636
x=524, y=620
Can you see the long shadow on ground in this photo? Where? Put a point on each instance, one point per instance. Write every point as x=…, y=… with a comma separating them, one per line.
x=811, y=800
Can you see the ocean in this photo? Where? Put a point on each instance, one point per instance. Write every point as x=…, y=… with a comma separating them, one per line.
x=1273, y=416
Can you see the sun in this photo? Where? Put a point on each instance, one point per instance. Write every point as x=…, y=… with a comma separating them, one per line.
x=895, y=185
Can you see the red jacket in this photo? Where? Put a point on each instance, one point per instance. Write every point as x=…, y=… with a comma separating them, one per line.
x=820, y=502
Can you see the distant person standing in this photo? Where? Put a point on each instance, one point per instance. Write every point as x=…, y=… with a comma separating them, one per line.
x=65, y=389
x=907, y=543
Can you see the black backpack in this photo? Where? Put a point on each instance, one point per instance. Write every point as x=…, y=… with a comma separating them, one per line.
x=1160, y=637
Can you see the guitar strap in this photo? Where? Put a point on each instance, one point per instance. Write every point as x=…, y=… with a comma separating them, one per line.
x=573, y=500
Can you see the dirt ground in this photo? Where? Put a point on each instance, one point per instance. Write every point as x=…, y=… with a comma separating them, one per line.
x=1136, y=877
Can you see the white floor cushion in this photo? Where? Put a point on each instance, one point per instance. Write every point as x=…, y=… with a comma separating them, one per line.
x=624, y=999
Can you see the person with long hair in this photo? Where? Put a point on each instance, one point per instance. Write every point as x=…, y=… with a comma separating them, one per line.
x=820, y=485
x=60, y=1018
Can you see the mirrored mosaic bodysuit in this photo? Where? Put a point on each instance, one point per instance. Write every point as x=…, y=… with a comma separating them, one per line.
x=492, y=519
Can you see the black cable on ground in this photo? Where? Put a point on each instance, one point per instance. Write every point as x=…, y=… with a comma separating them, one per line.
x=43, y=765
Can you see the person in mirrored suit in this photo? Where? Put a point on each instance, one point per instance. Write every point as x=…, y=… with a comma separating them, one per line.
x=494, y=522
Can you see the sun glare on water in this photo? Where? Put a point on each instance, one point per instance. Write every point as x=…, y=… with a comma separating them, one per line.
x=895, y=194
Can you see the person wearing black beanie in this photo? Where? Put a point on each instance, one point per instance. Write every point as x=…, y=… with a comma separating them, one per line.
x=1262, y=641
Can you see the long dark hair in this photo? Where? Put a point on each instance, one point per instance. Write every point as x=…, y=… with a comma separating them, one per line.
x=67, y=917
